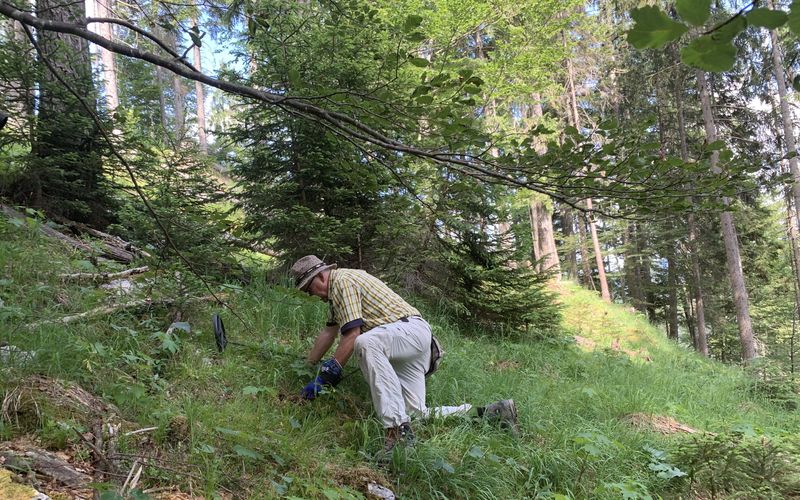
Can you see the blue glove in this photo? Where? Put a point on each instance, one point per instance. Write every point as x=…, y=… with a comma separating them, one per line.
x=330, y=373
x=313, y=388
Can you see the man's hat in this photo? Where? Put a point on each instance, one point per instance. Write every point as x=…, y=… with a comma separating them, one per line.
x=304, y=270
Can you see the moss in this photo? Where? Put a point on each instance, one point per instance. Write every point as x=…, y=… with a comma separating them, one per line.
x=9, y=490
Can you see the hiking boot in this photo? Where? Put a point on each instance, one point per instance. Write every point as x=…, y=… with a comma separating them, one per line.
x=402, y=434
x=503, y=412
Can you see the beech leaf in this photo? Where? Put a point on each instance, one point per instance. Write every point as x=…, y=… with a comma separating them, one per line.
x=653, y=28
x=695, y=12
x=767, y=18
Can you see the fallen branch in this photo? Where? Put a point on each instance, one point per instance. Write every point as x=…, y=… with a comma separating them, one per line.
x=141, y=431
x=112, y=241
x=47, y=464
x=107, y=310
x=103, y=277
x=110, y=247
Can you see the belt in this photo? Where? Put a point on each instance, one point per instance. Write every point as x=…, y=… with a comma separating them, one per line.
x=405, y=319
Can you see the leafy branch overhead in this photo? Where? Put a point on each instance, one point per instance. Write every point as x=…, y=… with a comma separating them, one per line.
x=628, y=168
x=712, y=49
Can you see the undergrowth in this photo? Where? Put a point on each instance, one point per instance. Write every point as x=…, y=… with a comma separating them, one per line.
x=233, y=422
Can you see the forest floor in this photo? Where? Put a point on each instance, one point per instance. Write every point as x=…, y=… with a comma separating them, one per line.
x=136, y=402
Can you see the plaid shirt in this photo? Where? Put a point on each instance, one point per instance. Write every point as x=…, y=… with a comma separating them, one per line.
x=356, y=298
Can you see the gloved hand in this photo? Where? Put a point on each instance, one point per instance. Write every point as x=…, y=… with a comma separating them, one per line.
x=330, y=373
x=313, y=388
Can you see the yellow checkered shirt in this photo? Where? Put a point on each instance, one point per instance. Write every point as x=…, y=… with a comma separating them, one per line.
x=356, y=298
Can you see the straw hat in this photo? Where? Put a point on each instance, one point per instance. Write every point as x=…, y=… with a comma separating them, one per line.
x=304, y=270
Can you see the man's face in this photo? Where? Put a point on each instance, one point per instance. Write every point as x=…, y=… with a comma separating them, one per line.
x=319, y=286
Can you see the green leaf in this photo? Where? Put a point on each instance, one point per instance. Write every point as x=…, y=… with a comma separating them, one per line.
x=794, y=17
x=421, y=90
x=728, y=31
x=424, y=99
x=666, y=471
x=796, y=83
x=440, y=464
x=181, y=325
x=709, y=55
x=695, y=12
x=247, y=452
x=412, y=22
x=767, y=18
x=251, y=391
x=476, y=452
x=419, y=62
x=416, y=36
x=653, y=28
x=205, y=448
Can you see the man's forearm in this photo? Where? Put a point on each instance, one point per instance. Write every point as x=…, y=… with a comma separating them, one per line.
x=324, y=341
x=346, y=345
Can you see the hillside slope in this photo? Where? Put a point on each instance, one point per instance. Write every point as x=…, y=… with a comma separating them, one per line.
x=597, y=421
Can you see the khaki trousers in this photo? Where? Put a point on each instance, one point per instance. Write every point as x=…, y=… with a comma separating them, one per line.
x=393, y=359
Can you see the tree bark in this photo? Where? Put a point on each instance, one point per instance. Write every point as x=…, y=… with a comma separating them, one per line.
x=687, y=313
x=201, y=100
x=734, y=260
x=178, y=95
x=544, y=244
x=701, y=340
x=568, y=230
x=672, y=284
x=104, y=9
x=697, y=327
x=634, y=274
x=598, y=255
x=588, y=279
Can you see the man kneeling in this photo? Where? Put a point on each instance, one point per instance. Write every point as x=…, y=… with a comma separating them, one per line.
x=392, y=344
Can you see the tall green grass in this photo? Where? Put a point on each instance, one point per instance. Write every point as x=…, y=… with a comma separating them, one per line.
x=237, y=422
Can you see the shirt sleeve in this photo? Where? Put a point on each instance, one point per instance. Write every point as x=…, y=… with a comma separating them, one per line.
x=347, y=302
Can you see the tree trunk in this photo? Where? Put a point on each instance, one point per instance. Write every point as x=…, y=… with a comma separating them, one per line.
x=201, y=100
x=740, y=298
x=633, y=268
x=576, y=122
x=698, y=327
x=687, y=313
x=598, y=255
x=701, y=340
x=544, y=244
x=793, y=195
x=568, y=230
x=107, y=57
x=179, y=95
x=588, y=279
x=672, y=284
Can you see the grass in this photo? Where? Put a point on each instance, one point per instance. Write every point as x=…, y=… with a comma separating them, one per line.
x=235, y=418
